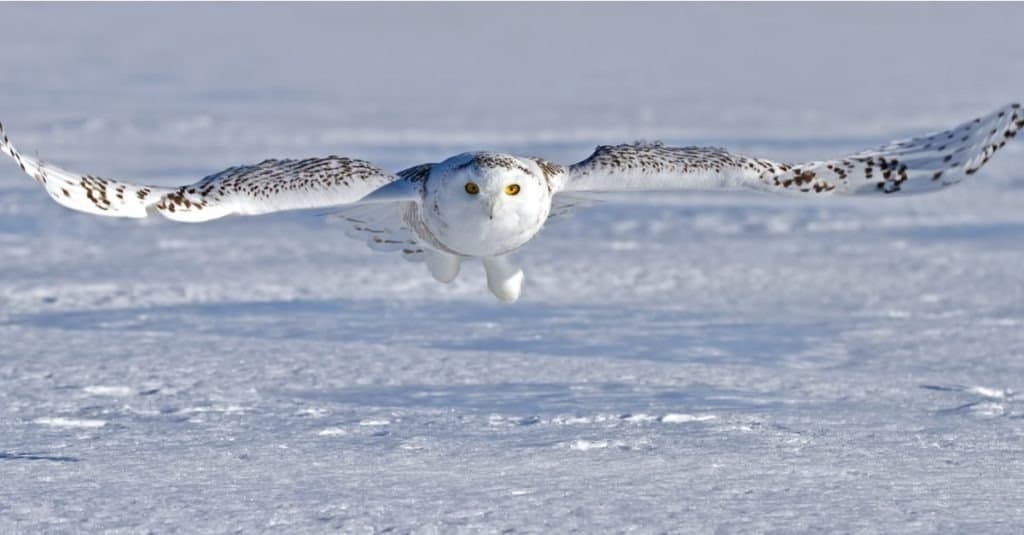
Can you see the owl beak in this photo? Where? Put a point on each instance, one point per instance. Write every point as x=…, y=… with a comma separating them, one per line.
x=493, y=206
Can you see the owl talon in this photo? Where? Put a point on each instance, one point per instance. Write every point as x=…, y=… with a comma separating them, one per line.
x=503, y=279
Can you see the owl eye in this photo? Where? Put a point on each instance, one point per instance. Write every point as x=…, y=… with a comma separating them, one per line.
x=512, y=189
x=472, y=188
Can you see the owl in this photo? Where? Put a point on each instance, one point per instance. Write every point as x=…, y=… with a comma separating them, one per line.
x=486, y=205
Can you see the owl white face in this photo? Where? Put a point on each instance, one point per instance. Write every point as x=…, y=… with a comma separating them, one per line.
x=485, y=204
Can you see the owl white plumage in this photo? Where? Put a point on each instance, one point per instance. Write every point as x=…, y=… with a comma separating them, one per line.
x=486, y=205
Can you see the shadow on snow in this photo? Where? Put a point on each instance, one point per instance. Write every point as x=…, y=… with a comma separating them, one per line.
x=662, y=334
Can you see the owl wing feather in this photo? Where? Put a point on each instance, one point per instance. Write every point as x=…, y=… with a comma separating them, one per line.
x=269, y=186
x=386, y=226
x=915, y=165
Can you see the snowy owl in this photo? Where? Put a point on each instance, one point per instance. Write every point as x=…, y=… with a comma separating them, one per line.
x=486, y=204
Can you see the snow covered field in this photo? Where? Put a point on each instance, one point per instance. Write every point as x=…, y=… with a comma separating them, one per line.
x=698, y=362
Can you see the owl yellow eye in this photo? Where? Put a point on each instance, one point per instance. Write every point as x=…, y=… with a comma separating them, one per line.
x=472, y=188
x=512, y=189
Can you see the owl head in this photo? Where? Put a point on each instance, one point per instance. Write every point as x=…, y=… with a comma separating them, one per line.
x=486, y=203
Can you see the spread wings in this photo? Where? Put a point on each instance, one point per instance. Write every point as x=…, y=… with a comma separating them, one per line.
x=916, y=165
x=380, y=208
x=269, y=186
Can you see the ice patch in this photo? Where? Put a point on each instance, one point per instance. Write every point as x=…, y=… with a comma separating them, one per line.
x=228, y=409
x=500, y=420
x=983, y=391
x=587, y=445
x=75, y=423
x=616, y=419
x=675, y=418
x=314, y=412
x=583, y=420
x=332, y=432
x=374, y=422
x=113, y=391
x=571, y=420
x=990, y=410
x=991, y=393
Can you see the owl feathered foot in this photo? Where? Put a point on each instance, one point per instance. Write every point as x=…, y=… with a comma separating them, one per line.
x=504, y=279
x=444, y=267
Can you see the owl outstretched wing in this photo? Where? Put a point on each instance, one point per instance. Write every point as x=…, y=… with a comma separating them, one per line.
x=269, y=186
x=915, y=165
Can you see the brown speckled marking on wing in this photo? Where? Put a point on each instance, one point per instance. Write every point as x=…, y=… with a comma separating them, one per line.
x=655, y=166
x=417, y=173
x=9, y=149
x=87, y=193
x=941, y=159
x=551, y=171
x=269, y=186
x=274, y=185
x=915, y=165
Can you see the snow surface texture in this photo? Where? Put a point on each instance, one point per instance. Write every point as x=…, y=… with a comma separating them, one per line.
x=713, y=362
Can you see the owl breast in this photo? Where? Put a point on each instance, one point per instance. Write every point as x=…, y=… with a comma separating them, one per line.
x=473, y=233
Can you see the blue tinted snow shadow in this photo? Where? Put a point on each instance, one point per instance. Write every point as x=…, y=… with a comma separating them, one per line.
x=621, y=399
x=36, y=456
x=649, y=333
x=1010, y=232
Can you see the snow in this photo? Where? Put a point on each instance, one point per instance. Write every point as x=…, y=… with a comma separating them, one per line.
x=71, y=422
x=684, y=418
x=118, y=391
x=688, y=363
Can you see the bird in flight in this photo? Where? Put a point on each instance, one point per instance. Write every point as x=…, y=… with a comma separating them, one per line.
x=487, y=204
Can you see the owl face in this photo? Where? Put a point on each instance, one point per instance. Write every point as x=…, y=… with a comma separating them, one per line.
x=485, y=204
